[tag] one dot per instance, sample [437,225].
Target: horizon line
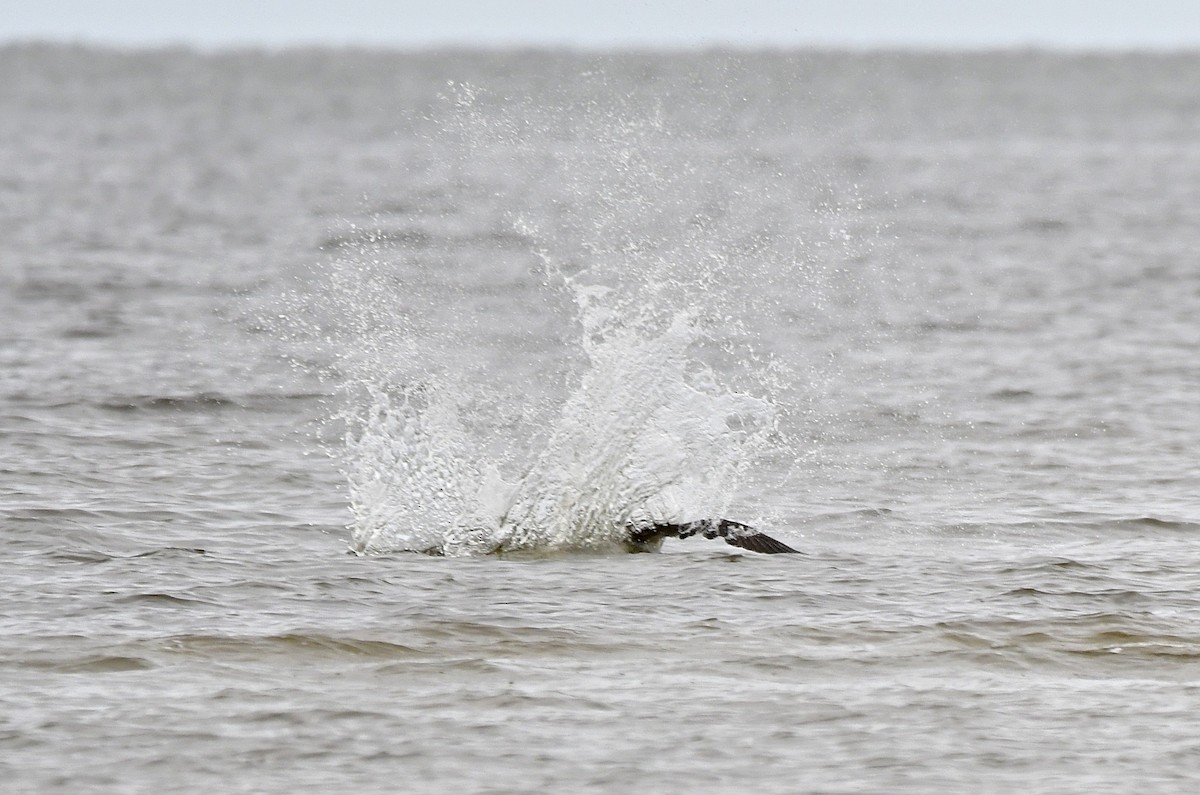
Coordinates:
[616,46]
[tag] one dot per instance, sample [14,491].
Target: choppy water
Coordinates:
[931,319]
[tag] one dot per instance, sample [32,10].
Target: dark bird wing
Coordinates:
[734,533]
[759,542]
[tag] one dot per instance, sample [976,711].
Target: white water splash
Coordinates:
[672,398]
[638,440]
[647,435]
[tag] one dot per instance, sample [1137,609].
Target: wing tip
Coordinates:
[761,542]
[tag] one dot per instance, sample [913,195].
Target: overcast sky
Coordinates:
[606,23]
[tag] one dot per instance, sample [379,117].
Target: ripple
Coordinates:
[97,664]
[315,645]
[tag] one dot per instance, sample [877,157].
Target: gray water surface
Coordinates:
[979,272]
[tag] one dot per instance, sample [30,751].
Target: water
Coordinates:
[930,319]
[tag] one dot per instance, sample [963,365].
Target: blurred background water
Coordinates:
[952,298]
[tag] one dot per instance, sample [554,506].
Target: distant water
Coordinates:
[271,320]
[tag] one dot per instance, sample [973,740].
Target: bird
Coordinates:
[649,537]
